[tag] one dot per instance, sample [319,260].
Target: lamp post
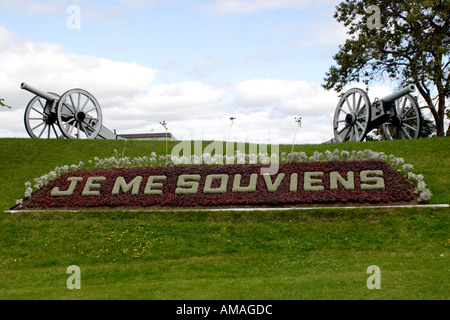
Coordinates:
[299,124]
[228,137]
[164,124]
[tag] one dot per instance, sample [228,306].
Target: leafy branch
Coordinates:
[3,104]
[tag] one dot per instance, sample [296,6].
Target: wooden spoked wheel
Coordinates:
[40,120]
[79,115]
[352,116]
[407,123]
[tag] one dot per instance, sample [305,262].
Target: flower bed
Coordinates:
[296,183]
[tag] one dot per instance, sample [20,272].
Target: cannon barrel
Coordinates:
[398,94]
[37,92]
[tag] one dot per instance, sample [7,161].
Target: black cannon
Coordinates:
[74,115]
[398,114]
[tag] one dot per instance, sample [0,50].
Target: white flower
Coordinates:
[206,158]
[317,156]
[52,175]
[184,160]
[28,192]
[252,159]
[196,159]
[217,159]
[138,161]
[291,157]
[230,159]
[176,160]
[332,156]
[274,158]
[407,167]
[425,195]
[302,157]
[345,155]
[382,156]
[374,155]
[168,160]
[240,157]
[421,187]
[263,158]
[399,161]
[359,155]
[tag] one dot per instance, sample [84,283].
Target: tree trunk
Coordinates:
[440,127]
[441,114]
[438,114]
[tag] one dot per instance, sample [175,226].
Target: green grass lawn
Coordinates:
[289,254]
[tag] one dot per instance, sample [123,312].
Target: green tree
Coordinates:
[411,44]
[3,104]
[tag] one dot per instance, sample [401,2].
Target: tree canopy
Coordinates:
[405,41]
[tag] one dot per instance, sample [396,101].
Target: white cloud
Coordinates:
[329,34]
[278,102]
[169,102]
[299,98]
[51,68]
[312,34]
[132,103]
[129,100]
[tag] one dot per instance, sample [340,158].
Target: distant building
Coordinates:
[149,136]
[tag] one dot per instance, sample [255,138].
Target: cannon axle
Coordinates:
[350,119]
[80,116]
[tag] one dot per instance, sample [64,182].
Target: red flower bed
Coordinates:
[396,188]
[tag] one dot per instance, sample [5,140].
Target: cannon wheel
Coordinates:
[407,124]
[39,122]
[352,116]
[79,114]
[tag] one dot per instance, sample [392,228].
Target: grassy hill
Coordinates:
[289,254]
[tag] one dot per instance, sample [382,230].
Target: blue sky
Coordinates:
[188,40]
[191,63]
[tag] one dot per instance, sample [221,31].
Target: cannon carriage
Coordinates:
[74,115]
[398,114]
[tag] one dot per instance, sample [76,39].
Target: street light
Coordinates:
[164,124]
[228,137]
[299,124]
